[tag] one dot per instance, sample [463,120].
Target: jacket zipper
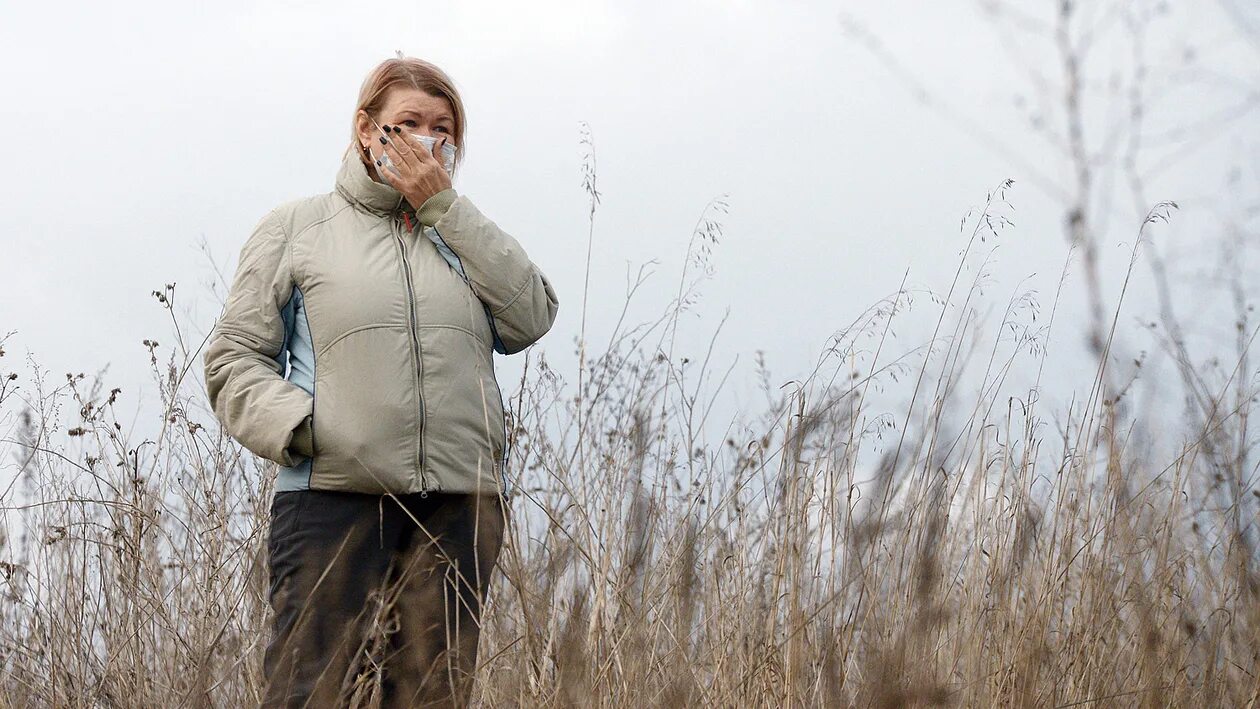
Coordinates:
[415,350]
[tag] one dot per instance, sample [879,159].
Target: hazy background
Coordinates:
[850,137]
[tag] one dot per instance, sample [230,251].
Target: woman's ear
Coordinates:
[363,126]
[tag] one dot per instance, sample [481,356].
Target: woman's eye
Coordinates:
[409,123]
[443,129]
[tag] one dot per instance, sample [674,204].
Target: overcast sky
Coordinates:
[136,132]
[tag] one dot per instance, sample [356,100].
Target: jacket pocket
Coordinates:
[366,413]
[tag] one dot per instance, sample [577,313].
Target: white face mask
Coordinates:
[448,154]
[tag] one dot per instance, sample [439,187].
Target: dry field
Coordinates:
[966,546]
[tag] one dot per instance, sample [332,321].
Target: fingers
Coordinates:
[397,137]
[387,163]
[433,155]
[394,146]
[437,151]
[383,136]
[420,154]
[389,173]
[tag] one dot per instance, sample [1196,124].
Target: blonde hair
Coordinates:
[408,72]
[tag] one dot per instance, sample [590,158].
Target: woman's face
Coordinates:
[411,109]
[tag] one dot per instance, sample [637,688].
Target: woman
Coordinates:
[386,296]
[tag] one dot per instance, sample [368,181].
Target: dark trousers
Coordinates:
[378,594]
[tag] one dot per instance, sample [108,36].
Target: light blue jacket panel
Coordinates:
[301,355]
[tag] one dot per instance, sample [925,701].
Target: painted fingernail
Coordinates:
[397,129]
[383,141]
[378,162]
[385,128]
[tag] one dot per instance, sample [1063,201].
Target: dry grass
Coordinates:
[964,547]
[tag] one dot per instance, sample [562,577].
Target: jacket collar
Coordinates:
[354,183]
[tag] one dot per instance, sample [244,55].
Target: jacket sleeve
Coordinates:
[244,364]
[519,298]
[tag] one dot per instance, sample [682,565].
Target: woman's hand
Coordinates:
[421,174]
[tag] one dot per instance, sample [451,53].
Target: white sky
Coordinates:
[137,130]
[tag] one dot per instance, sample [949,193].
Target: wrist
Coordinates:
[302,440]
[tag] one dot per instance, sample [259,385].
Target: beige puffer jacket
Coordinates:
[387,317]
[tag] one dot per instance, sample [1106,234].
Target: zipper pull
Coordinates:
[407,218]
